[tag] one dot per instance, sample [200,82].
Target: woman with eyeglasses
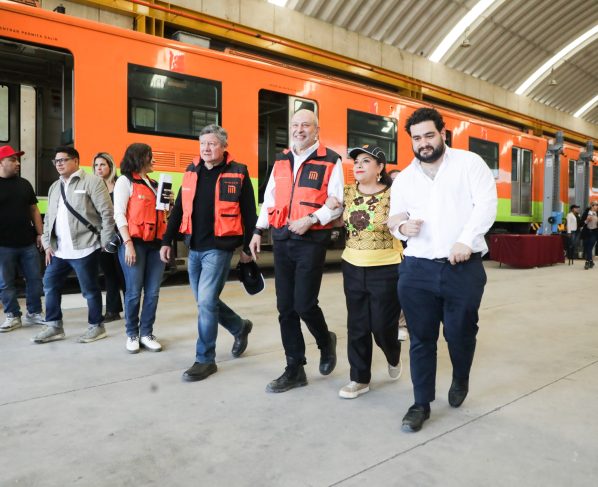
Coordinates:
[141,226]
[103,166]
[370,270]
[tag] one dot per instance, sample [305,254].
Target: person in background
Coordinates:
[370,270]
[103,166]
[141,227]
[71,244]
[450,198]
[215,211]
[393,174]
[303,177]
[20,243]
[572,229]
[590,234]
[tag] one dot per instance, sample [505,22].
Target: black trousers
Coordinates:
[372,309]
[115,281]
[298,267]
[431,292]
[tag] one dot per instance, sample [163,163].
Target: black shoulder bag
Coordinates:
[77,215]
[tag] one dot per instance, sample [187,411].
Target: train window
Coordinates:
[448,138]
[572,164]
[366,128]
[4,117]
[595,178]
[487,150]
[171,104]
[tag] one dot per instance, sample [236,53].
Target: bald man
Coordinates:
[303,177]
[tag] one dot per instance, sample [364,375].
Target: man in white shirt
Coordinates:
[450,197]
[73,245]
[572,231]
[301,181]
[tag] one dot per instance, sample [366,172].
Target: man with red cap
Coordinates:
[20,239]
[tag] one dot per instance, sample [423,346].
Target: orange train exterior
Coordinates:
[100,112]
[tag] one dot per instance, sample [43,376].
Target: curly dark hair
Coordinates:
[136,157]
[423,115]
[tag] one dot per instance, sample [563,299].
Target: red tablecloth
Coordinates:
[526,250]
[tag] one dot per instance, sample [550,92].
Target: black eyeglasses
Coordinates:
[61,161]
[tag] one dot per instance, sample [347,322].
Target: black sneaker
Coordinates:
[293,376]
[328,356]
[414,419]
[240,344]
[199,371]
[111,316]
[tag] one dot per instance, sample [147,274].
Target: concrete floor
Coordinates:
[92,415]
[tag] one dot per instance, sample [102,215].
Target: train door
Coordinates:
[521,181]
[275,112]
[36,106]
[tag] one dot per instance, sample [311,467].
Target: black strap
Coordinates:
[82,219]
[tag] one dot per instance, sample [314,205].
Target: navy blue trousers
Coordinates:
[431,292]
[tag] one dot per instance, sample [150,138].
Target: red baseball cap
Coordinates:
[8,151]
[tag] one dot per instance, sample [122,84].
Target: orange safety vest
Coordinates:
[228,220]
[294,199]
[144,221]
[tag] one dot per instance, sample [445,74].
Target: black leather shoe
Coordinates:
[111,316]
[328,356]
[240,344]
[293,376]
[414,419]
[458,392]
[199,372]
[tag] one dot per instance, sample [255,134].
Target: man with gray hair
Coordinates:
[215,211]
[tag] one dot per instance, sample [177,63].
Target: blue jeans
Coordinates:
[26,259]
[208,271]
[588,245]
[145,275]
[86,270]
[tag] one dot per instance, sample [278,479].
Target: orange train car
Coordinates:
[65,80]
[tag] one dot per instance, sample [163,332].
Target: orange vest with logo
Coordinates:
[294,199]
[228,220]
[144,221]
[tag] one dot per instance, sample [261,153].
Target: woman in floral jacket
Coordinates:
[370,270]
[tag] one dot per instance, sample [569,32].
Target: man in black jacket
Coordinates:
[215,211]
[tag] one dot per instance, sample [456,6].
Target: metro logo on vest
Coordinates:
[312,176]
[230,188]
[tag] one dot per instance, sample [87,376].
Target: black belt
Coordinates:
[445,260]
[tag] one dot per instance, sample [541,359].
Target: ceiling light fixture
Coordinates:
[586,107]
[279,3]
[457,31]
[553,81]
[565,53]
[466,42]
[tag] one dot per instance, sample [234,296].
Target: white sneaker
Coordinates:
[395,371]
[132,344]
[150,343]
[353,389]
[35,319]
[403,334]
[11,323]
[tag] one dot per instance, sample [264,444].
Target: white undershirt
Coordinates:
[65,249]
[458,205]
[335,188]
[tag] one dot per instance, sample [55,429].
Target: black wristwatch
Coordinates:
[258,231]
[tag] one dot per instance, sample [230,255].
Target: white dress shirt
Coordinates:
[65,248]
[571,223]
[458,205]
[335,188]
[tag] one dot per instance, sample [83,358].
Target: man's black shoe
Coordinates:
[240,344]
[111,316]
[293,376]
[414,419]
[328,356]
[458,392]
[199,372]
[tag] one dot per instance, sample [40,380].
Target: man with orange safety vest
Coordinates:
[302,179]
[215,211]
